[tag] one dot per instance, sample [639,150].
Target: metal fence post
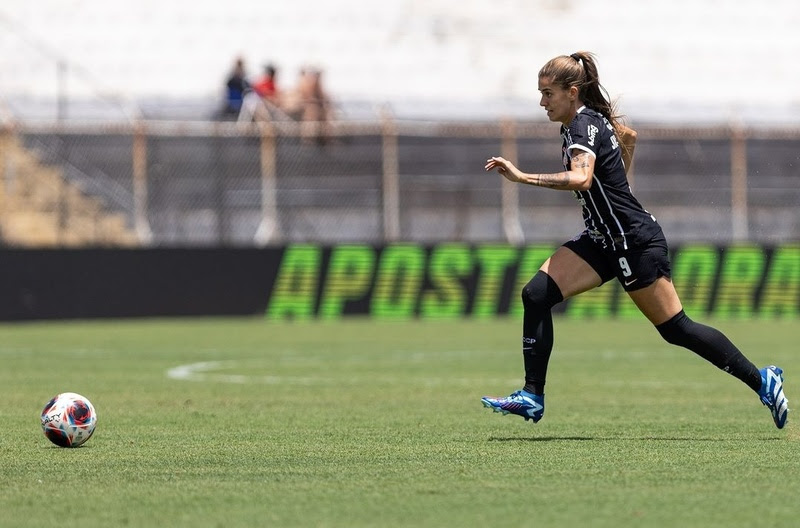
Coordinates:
[268,229]
[739,220]
[6,166]
[510,190]
[139,153]
[391,179]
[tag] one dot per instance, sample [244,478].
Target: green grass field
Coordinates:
[244,422]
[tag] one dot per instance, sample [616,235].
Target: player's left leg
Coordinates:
[659,302]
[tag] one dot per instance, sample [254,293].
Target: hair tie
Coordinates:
[576,57]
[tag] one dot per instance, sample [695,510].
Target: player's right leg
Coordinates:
[573,269]
[563,275]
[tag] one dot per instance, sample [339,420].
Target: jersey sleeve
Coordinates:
[585,134]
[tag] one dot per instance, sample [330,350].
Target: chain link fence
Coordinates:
[255,184]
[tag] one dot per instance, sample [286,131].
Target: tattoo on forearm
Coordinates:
[562,179]
[551,180]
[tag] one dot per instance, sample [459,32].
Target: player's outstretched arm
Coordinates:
[577,178]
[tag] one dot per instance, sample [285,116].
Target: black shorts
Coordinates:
[634,268]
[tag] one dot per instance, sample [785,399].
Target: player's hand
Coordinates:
[504,168]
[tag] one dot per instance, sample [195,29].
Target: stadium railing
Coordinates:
[254,184]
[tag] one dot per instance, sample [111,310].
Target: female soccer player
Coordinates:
[621,240]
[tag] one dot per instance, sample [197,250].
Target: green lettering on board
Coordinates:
[349,278]
[626,308]
[694,269]
[742,269]
[593,303]
[747,281]
[295,287]
[493,262]
[398,282]
[448,299]
[781,294]
[532,259]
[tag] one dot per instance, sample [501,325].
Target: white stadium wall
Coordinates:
[683,59]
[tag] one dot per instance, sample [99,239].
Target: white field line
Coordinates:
[210,372]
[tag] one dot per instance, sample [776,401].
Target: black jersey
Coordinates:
[614,218]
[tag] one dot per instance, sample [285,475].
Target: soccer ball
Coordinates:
[69,419]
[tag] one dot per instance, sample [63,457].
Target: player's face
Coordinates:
[558,102]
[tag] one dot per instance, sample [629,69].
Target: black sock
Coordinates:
[712,345]
[538,296]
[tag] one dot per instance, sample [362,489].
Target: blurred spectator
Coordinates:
[293,101]
[309,102]
[317,104]
[266,87]
[236,87]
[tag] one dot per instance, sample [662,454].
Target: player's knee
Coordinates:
[541,292]
[676,331]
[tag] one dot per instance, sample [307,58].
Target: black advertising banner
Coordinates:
[398,281]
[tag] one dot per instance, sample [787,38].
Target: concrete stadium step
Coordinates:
[41,208]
